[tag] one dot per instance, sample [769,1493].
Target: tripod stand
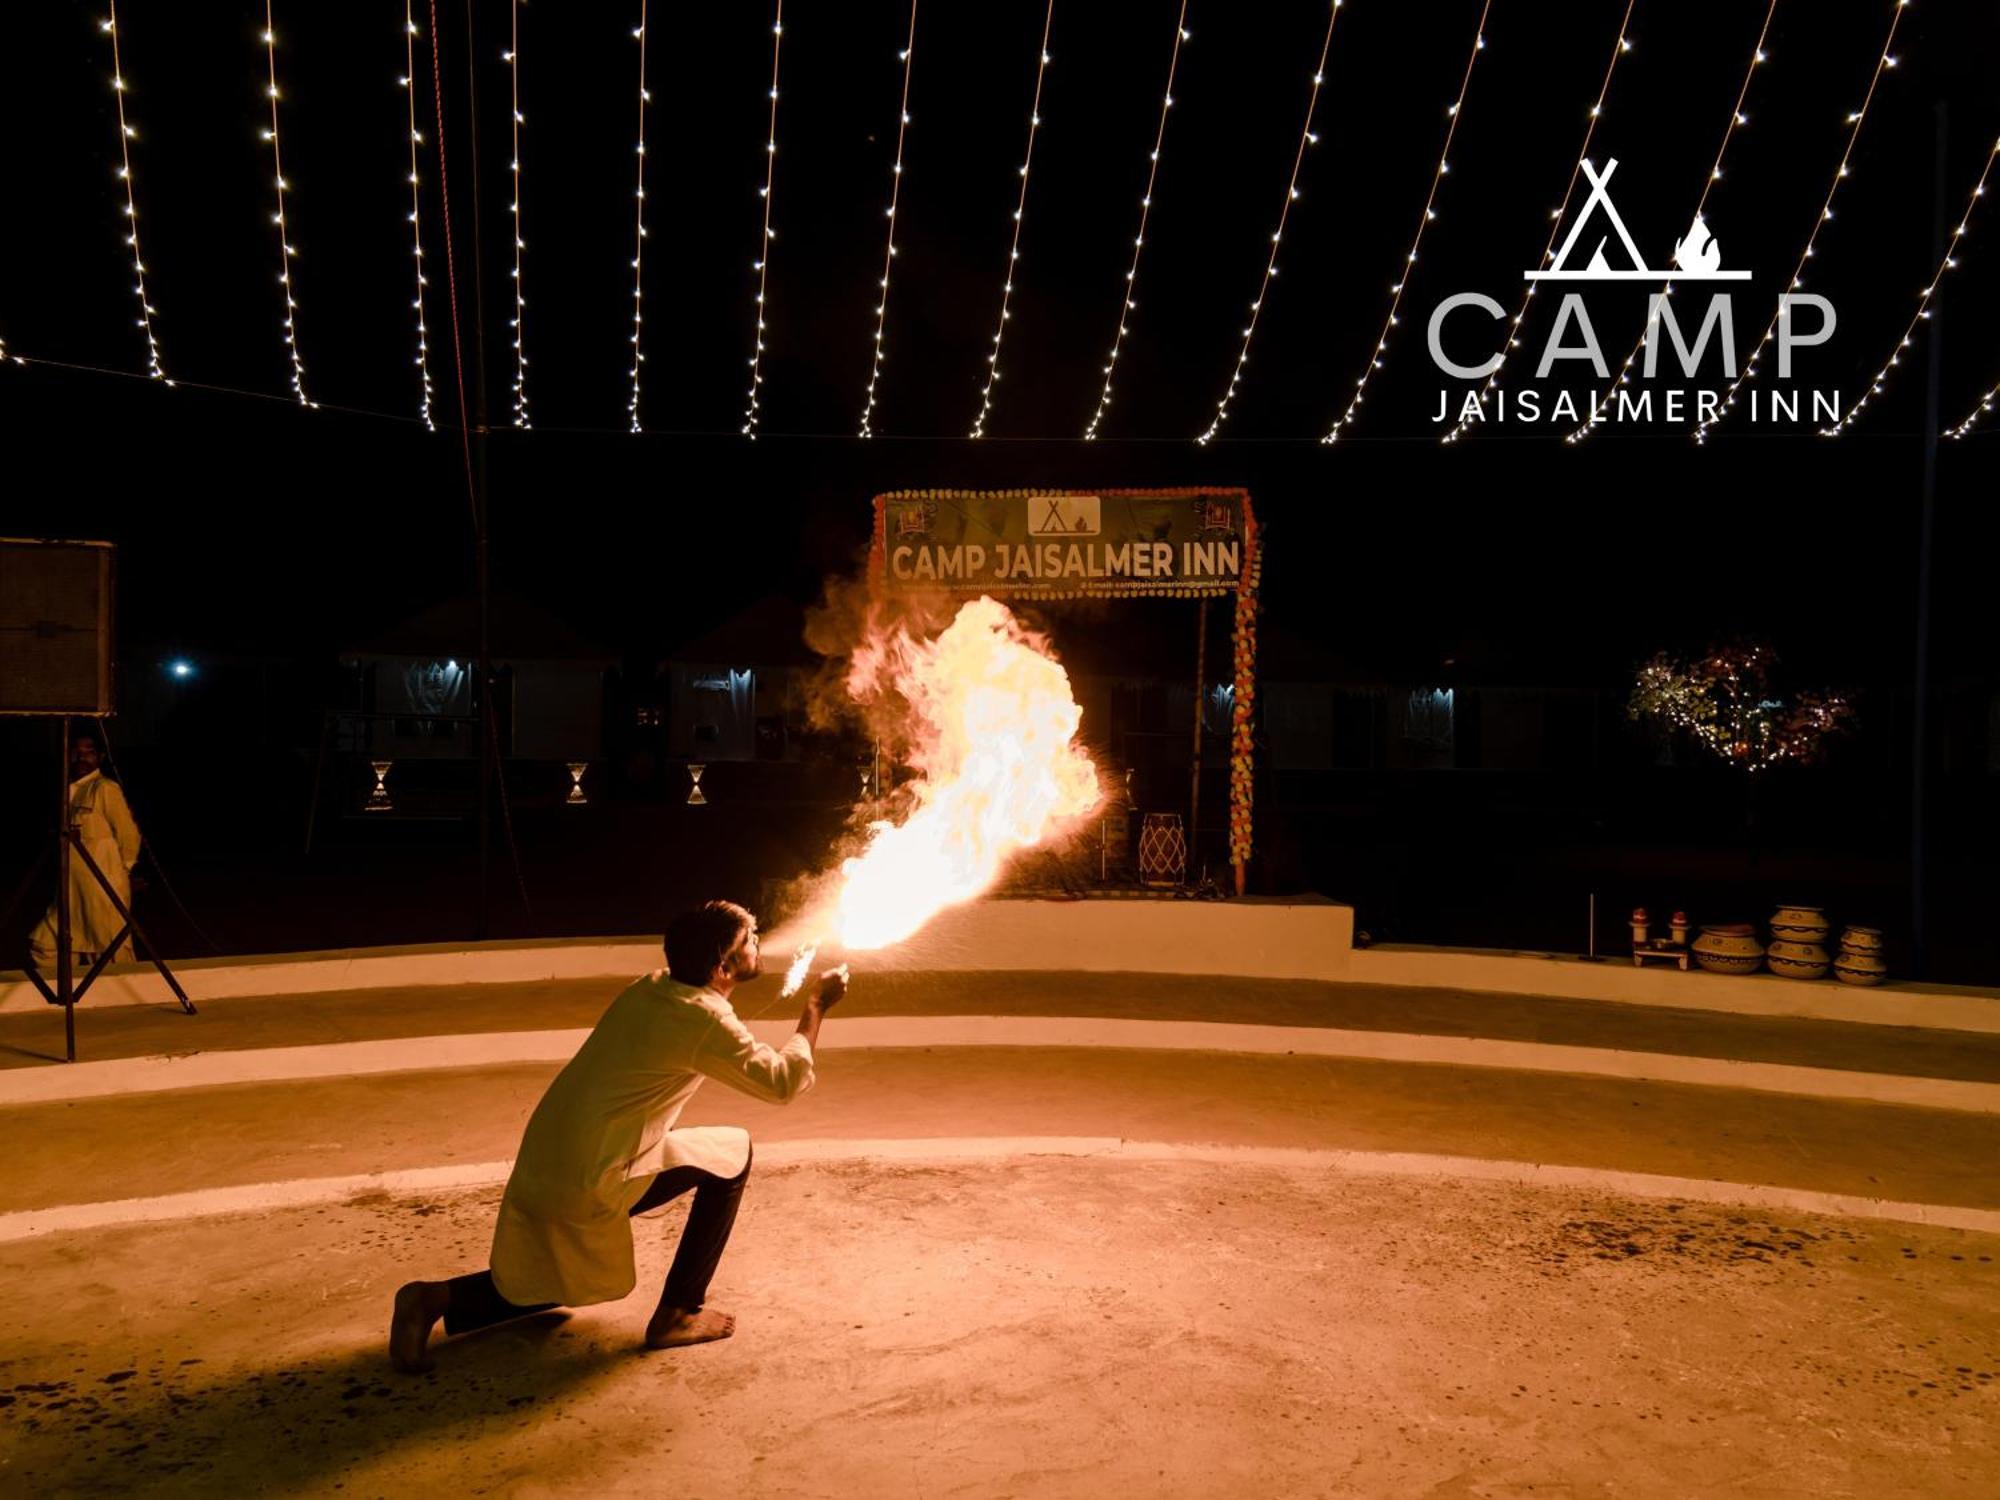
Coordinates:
[69,845]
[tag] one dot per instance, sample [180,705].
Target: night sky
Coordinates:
[248,523]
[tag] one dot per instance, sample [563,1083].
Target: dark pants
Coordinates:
[476,1303]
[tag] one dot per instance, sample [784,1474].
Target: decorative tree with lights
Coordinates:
[1724,702]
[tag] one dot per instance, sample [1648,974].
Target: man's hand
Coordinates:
[826,994]
[831,988]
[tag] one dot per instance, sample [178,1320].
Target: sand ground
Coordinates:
[1036,1327]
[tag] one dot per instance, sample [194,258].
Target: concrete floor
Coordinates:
[143,1145]
[1037,1327]
[1034,1325]
[34,1038]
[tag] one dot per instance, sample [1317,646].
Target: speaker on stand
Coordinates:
[56,619]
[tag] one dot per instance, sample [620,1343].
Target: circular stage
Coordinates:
[1038,1326]
[1035,1233]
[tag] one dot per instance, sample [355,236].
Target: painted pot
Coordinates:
[1728,948]
[1860,968]
[1800,924]
[1796,960]
[1861,940]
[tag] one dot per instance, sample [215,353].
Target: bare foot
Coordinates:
[673,1326]
[416,1314]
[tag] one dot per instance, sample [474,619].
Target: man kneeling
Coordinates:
[601,1149]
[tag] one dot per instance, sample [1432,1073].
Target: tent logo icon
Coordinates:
[1065,515]
[1697,256]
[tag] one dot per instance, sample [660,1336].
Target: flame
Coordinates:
[1698,250]
[795,976]
[993,727]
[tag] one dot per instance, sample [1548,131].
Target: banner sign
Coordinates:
[1188,543]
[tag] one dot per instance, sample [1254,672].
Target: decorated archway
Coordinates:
[1194,543]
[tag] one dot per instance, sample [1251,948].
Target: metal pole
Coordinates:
[1200,691]
[65,980]
[1920,718]
[488,732]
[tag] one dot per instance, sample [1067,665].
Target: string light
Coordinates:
[639,240]
[764,244]
[1127,306]
[1855,120]
[520,320]
[1556,215]
[1380,353]
[889,252]
[1923,312]
[1962,429]
[147,311]
[1306,138]
[1758,57]
[1724,700]
[416,206]
[285,247]
[1020,212]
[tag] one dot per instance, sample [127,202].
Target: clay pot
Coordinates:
[1800,924]
[1860,968]
[1728,948]
[1861,940]
[1796,960]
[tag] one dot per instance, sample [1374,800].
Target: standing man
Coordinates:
[100,815]
[600,1149]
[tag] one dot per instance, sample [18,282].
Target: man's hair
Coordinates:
[699,939]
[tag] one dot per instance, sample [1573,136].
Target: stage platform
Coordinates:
[1251,939]
[1086,1195]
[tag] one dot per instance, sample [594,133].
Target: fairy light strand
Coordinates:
[1945,267]
[1380,352]
[1884,61]
[1758,57]
[1127,306]
[147,312]
[512,58]
[1619,48]
[763,264]
[1963,428]
[1014,249]
[1306,139]
[908,57]
[285,247]
[408,81]
[639,239]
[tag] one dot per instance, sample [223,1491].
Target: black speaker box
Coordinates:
[55,627]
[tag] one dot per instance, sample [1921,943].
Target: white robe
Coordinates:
[98,811]
[605,1127]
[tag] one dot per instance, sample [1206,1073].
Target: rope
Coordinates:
[451,277]
[507,819]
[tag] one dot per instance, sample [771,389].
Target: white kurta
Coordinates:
[605,1127]
[98,811]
